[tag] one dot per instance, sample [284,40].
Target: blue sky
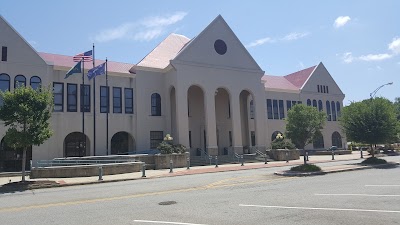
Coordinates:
[358,41]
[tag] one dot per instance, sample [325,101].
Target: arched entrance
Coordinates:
[122,143]
[337,140]
[223,120]
[196,117]
[76,144]
[318,143]
[247,124]
[11,159]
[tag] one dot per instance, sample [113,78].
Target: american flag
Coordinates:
[86,56]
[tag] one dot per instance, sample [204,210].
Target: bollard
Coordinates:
[333,155]
[170,166]
[210,158]
[100,173]
[361,152]
[216,161]
[265,158]
[306,155]
[144,170]
[287,157]
[241,157]
[187,163]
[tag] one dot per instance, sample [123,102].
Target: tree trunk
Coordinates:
[372,151]
[304,156]
[23,164]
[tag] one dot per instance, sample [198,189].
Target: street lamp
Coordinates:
[372,94]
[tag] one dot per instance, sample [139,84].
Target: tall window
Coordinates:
[230,138]
[320,106]
[4,82]
[36,82]
[3,53]
[156,137]
[314,103]
[253,138]
[275,108]
[338,109]
[288,105]
[308,102]
[128,100]
[269,109]
[251,109]
[327,90]
[104,99]
[155,104]
[281,110]
[19,80]
[58,93]
[318,88]
[190,139]
[333,110]
[117,100]
[85,98]
[328,110]
[324,89]
[72,97]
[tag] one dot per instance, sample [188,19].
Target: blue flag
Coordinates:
[96,71]
[76,69]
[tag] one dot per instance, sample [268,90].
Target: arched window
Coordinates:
[4,82]
[155,104]
[318,142]
[314,103]
[19,80]
[333,111]
[273,137]
[308,102]
[337,140]
[76,144]
[328,110]
[320,106]
[36,82]
[338,109]
[122,143]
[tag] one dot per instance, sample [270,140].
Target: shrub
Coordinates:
[306,168]
[282,144]
[374,160]
[166,148]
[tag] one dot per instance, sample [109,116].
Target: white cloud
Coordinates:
[347,57]
[301,65]
[260,42]
[375,57]
[144,30]
[341,21]
[394,46]
[294,36]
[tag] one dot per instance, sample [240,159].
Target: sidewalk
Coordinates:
[50,182]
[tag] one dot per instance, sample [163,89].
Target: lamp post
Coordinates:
[372,94]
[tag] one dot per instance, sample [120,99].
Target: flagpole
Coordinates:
[108,105]
[94,108]
[83,102]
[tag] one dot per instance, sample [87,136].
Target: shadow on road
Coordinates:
[27,185]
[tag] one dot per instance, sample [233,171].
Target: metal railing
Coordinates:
[50,163]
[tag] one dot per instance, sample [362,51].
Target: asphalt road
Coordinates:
[240,197]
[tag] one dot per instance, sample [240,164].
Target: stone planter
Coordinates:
[280,154]
[162,161]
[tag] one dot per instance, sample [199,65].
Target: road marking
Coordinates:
[326,209]
[382,185]
[366,195]
[94,200]
[165,222]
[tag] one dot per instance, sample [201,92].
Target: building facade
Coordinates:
[207,92]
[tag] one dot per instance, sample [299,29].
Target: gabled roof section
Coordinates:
[278,82]
[299,78]
[167,50]
[67,61]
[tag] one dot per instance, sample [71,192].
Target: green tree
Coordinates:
[371,121]
[26,113]
[397,106]
[303,124]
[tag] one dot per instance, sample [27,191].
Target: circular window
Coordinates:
[220,46]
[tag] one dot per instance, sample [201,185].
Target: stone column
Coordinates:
[211,127]
[236,123]
[182,124]
[260,119]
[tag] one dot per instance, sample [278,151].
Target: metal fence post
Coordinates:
[216,161]
[170,166]
[306,155]
[144,170]
[187,163]
[210,157]
[241,157]
[287,156]
[100,173]
[333,155]
[361,152]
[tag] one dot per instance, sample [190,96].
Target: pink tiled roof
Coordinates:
[278,82]
[167,50]
[66,61]
[300,77]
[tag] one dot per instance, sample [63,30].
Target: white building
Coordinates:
[207,92]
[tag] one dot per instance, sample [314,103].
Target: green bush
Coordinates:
[374,160]
[166,148]
[282,144]
[306,168]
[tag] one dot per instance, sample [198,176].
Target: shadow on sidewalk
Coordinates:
[27,185]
